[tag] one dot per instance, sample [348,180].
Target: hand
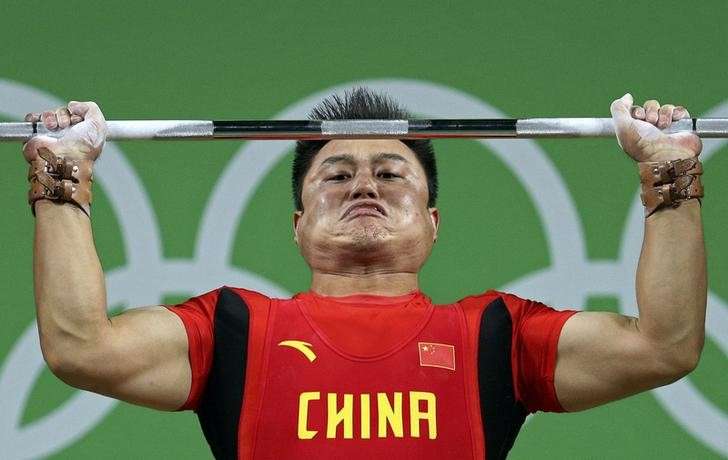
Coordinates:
[639,131]
[83,131]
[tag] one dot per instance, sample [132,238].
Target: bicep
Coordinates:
[144,359]
[603,357]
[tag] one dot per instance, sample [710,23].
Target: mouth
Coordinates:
[368,208]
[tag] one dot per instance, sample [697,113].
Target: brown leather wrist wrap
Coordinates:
[668,183]
[60,179]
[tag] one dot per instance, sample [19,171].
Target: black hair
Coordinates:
[360,103]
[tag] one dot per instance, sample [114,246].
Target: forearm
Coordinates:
[672,282]
[70,294]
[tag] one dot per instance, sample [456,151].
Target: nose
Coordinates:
[364,187]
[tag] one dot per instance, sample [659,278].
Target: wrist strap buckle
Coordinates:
[60,179]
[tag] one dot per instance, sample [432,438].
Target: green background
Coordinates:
[252,59]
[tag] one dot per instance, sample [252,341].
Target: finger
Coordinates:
[665,116]
[638,112]
[64,117]
[49,120]
[33,117]
[76,119]
[680,112]
[651,108]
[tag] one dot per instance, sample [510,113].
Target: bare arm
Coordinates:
[139,356]
[604,356]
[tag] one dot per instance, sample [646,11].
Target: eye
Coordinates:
[387,175]
[338,177]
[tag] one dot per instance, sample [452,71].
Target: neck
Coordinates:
[342,284]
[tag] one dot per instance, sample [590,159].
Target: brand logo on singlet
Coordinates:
[303,347]
[336,415]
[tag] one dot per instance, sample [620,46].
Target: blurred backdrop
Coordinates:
[556,220]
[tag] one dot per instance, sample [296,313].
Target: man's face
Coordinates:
[365,201]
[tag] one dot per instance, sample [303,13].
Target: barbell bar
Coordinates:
[503,128]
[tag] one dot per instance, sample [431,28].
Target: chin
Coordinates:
[369,235]
[366,236]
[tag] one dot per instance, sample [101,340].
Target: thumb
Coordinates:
[620,109]
[78,108]
[30,148]
[622,119]
[88,111]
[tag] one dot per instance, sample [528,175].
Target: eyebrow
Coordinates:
[332,160]
[349,159]
[389,156]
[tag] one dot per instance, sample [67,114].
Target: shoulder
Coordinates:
[246,294]
[491,297]
[515,307]
[223,296]
[238,297]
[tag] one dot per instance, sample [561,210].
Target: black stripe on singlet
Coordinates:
[501,414]
[221,404]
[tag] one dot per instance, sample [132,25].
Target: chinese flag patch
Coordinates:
[437,355]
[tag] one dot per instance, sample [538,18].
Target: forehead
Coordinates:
[364,150]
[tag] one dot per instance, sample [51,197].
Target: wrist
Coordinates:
[667,154]
[60,179]
[72,153]
[669,183]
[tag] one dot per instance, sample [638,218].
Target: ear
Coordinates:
[296,219]
[435,219]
